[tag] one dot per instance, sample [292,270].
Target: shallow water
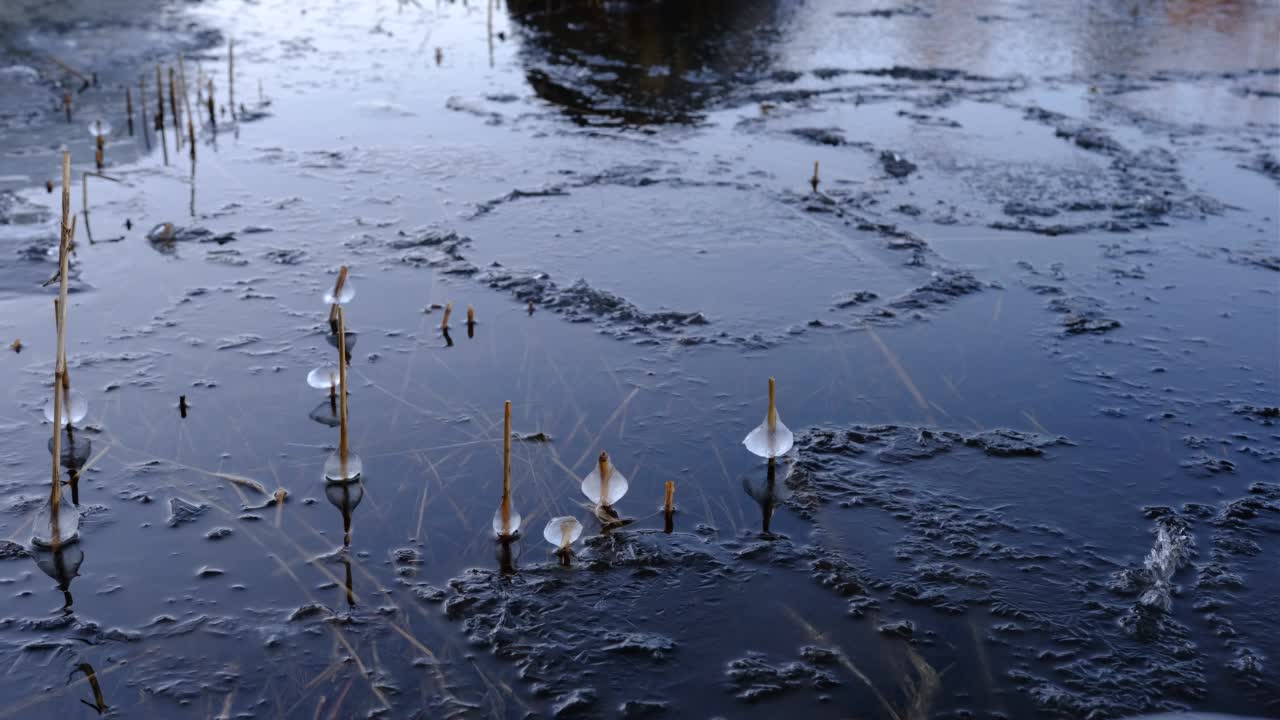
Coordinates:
[1025,329]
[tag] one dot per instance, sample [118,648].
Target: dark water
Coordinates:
[1026,329]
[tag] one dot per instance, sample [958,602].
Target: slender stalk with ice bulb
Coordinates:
[772,439]
[341,294]
[63,521]
[506,522]
[344,465]
[605,485]
[562,532]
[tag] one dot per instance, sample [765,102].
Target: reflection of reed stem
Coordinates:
[342,397]
[506,469]
[173,108]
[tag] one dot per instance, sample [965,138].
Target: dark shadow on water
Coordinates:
[641,63]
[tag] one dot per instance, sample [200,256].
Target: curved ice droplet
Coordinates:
[74,406]
[99,128]
[343,297]
[335,471]
[514,523]
[562,531]
[324,377]
[618,486]
[68,530]
[768,444]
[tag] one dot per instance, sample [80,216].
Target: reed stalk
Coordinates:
[66,105]
[60,381]
[813,181]
[342,396]
[342,271]
[444,322]
[669,504]
[773,408]
[128,108]
[506,469]
[604,478]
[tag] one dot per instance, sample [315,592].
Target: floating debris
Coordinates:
[772,438]
[605,485]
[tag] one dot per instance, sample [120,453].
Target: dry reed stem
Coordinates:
[604,478]
[444,322]
[60,360]
[773,407]
[669,505]
[342,271]
[342,398]
[66,105]
[506,468]
[128,108]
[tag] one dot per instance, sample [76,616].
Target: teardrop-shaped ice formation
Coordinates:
[74,406]
[617,486]
[337,471]
[770,443]
[99,128]
[344,295]
[513,523]
[325,377]
[68,526]
[562,531]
